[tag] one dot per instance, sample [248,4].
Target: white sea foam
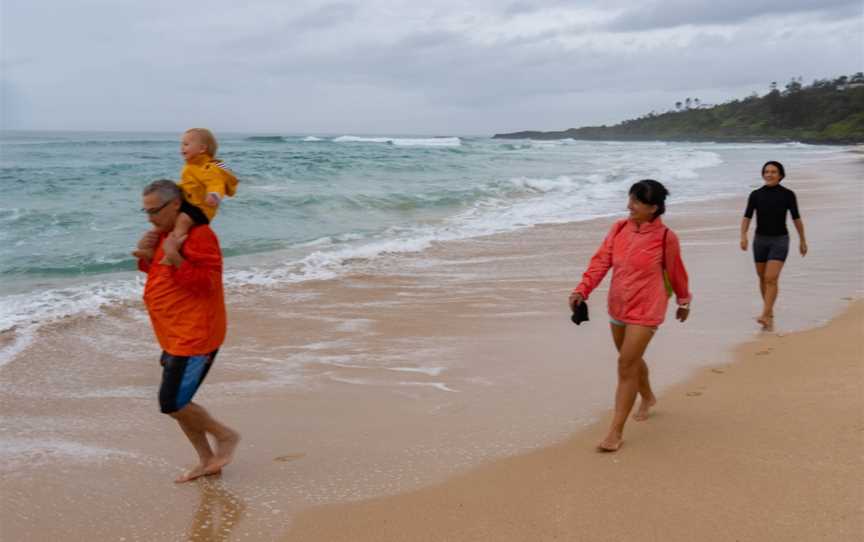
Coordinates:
[23,452]
[596,186]
[373,382]
[312,138]
[23,310]
[431,371]
[537,200]
[23,337]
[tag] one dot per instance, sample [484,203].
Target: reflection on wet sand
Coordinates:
[218,513]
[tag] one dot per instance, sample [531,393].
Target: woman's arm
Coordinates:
[745,226]
[748,215]
[597,267]
[802,245]
[796,219]
[676,271]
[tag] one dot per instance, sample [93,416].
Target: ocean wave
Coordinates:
[53,304]
[267,139]
[491,187]
[312,139]
[403,142]
[90,142]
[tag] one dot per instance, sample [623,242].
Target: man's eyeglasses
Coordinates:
[155,211]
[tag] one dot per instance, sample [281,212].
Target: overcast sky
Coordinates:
[437,67]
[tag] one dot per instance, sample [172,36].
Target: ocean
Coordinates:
[308,206]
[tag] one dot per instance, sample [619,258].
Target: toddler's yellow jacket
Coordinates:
[203,175]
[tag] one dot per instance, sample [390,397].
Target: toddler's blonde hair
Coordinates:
[206,137]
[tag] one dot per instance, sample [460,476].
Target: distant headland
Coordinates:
[828,111]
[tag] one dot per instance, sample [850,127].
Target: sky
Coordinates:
[402,67]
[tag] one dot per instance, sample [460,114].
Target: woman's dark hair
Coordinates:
[776,164]
[650,192]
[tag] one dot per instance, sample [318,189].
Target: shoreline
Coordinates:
[408,370]
[736,452]
[546,136]
[278,268]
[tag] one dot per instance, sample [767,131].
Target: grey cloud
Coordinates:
[671,13]
[325,16]
[329,69]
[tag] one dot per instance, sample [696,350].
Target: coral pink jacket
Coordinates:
[637,294]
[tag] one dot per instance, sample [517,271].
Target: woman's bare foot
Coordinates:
[644,407]
[224,451]
[611,443]
[767,322]
[197,472]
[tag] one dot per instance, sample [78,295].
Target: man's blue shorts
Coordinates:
[181,376]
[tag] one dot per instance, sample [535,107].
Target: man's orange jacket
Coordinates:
[186,303]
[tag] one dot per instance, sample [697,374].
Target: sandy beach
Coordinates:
[445,395]
[767,447]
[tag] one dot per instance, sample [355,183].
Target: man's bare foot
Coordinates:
[644,407]
[143,253]
[195,473]
[224,451]
[767,322]
[611,443]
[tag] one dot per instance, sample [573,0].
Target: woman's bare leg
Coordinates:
[770,279]
[760,272]
[636,339]
[645,391]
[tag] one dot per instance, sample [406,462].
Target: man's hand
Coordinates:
[146,245]
[148,240]
[574,300]
[744,243]
[212,199]
[682,314]
[171,247]
[802,247]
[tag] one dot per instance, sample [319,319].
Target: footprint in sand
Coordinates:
[694,393]
[763,352]
[718,371]
[289,457]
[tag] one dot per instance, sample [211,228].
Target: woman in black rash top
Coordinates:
[771,242]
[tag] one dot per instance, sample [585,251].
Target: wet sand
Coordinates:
[407,371]
[765,448]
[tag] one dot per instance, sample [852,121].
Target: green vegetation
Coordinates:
[827,111]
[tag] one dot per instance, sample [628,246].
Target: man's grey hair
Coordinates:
[166,189]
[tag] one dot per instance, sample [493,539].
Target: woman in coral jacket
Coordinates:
[640,250]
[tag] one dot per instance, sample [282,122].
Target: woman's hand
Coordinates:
[802,247]
[682,314]
[744,243]
[574,300]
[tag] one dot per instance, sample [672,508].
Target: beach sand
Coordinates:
[768,447]
[413,369]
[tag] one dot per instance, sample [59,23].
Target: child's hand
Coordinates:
[171,248]
[212,199]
